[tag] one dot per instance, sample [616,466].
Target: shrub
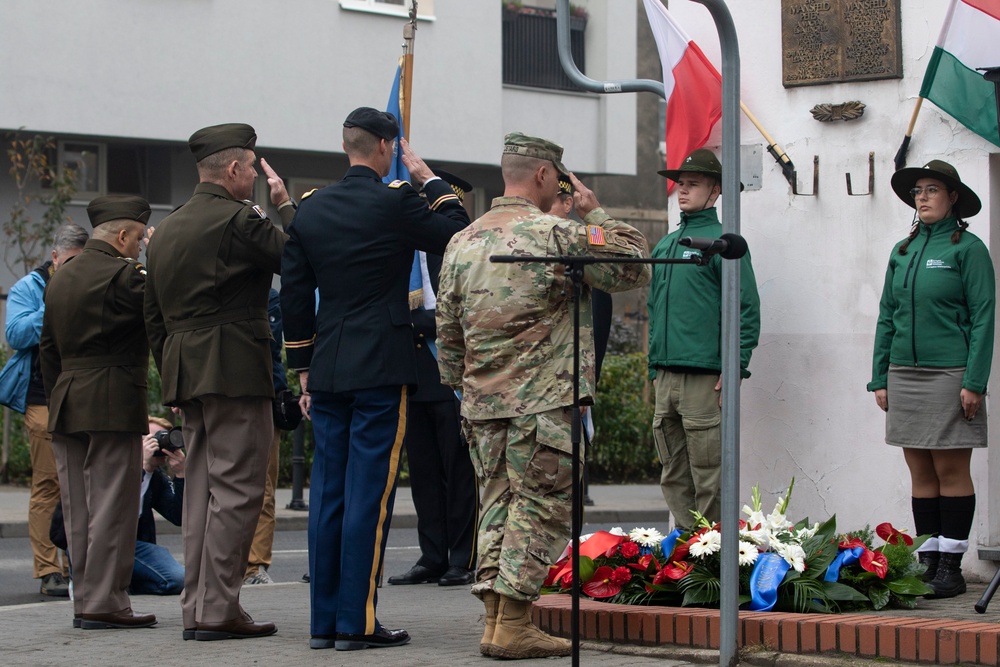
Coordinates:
[623,449]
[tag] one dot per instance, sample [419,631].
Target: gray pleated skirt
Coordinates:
[925,410]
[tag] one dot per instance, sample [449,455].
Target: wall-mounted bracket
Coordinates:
[871,179]
[795,180]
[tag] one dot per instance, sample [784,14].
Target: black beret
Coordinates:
[217,138]
[380,123]
[459,185]
[118,207]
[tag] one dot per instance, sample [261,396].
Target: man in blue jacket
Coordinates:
[21,390]
[685,333]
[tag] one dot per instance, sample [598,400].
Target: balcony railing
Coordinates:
[530,53]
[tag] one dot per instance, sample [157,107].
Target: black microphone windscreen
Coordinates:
[736,246]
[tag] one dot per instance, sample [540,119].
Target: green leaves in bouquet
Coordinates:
[700,587]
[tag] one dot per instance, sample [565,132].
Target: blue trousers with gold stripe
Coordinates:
[359,436]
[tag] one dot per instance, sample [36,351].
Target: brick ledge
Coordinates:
[943,642]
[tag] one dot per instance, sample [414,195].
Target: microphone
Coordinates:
[729,246]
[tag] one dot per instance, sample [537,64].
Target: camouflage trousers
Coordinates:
[525,473]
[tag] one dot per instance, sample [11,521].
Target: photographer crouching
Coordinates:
[155,571]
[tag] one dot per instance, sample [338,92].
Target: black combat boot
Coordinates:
[930,560]
[948,582]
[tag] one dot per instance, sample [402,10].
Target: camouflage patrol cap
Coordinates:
[118,207]
[518,143]
[215,138]
[701,161]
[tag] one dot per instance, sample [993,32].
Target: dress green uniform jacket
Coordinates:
[937,307]
[685,303]
[94,352]
[210,268]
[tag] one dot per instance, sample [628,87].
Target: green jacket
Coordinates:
[685,303]
[937,307]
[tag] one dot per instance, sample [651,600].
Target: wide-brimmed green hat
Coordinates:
[702,161]
[903,180]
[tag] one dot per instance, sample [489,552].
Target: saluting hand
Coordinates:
[279,195]
[419,171]
[584,198]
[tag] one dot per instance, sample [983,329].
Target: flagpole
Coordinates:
[900,159]
[409,38]
[772,146]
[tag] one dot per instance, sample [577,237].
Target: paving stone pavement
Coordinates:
[445,624]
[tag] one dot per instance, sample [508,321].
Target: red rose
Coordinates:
[621,576]
[629,549]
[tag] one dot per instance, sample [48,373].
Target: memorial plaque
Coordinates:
[830,41]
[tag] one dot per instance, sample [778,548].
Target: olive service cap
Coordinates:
[209,140]
[118,207]
[968,203]
[459,185]
[380,123]
[518,143]
[701,161]
[565,185]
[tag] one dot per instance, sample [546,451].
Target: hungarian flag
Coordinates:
[692,86]
[970,38]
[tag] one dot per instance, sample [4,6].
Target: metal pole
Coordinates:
[584,82]
[298,467]
[729,598]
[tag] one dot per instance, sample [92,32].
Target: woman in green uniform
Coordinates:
[933,349]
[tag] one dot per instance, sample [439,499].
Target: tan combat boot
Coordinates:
[492,601]
[516,637]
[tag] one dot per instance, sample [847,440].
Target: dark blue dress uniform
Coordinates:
[354,240]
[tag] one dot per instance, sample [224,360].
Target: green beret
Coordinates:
[118,207]
[518,143]
[217,138]
[380,123]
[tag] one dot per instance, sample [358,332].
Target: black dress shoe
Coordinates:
[381,639]
[119,619]
[323,641]
[187,634]
[76,622]
[456,576]
[418,574]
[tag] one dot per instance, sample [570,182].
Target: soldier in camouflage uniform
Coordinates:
[505,341]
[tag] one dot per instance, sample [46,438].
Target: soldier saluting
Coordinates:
[94,356]
[210,269]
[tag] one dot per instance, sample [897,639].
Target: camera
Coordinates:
[169,441]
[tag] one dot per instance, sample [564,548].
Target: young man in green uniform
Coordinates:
[685,361]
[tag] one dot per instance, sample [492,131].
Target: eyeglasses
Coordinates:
[930,191]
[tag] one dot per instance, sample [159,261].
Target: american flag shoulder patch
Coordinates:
[595,235]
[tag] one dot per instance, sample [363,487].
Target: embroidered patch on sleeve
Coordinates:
[595,235]
[259,211]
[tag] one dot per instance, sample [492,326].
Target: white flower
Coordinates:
[748,553]
[793,554]
[776,521]
[805,533]
[709,543]
[754,518]
[762,538]
[617,530]
[646,537]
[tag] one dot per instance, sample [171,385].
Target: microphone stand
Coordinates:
[574,269]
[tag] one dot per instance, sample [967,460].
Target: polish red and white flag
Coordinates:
[692,85]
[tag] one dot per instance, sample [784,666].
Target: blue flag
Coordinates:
[398,171]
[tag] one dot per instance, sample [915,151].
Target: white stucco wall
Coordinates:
[162,69]
[820,264]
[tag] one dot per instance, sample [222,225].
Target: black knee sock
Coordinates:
[926,516]
[956,516]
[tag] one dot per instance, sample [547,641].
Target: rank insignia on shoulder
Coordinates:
[595,235]
[308,194]
[397,184]
[259,211]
